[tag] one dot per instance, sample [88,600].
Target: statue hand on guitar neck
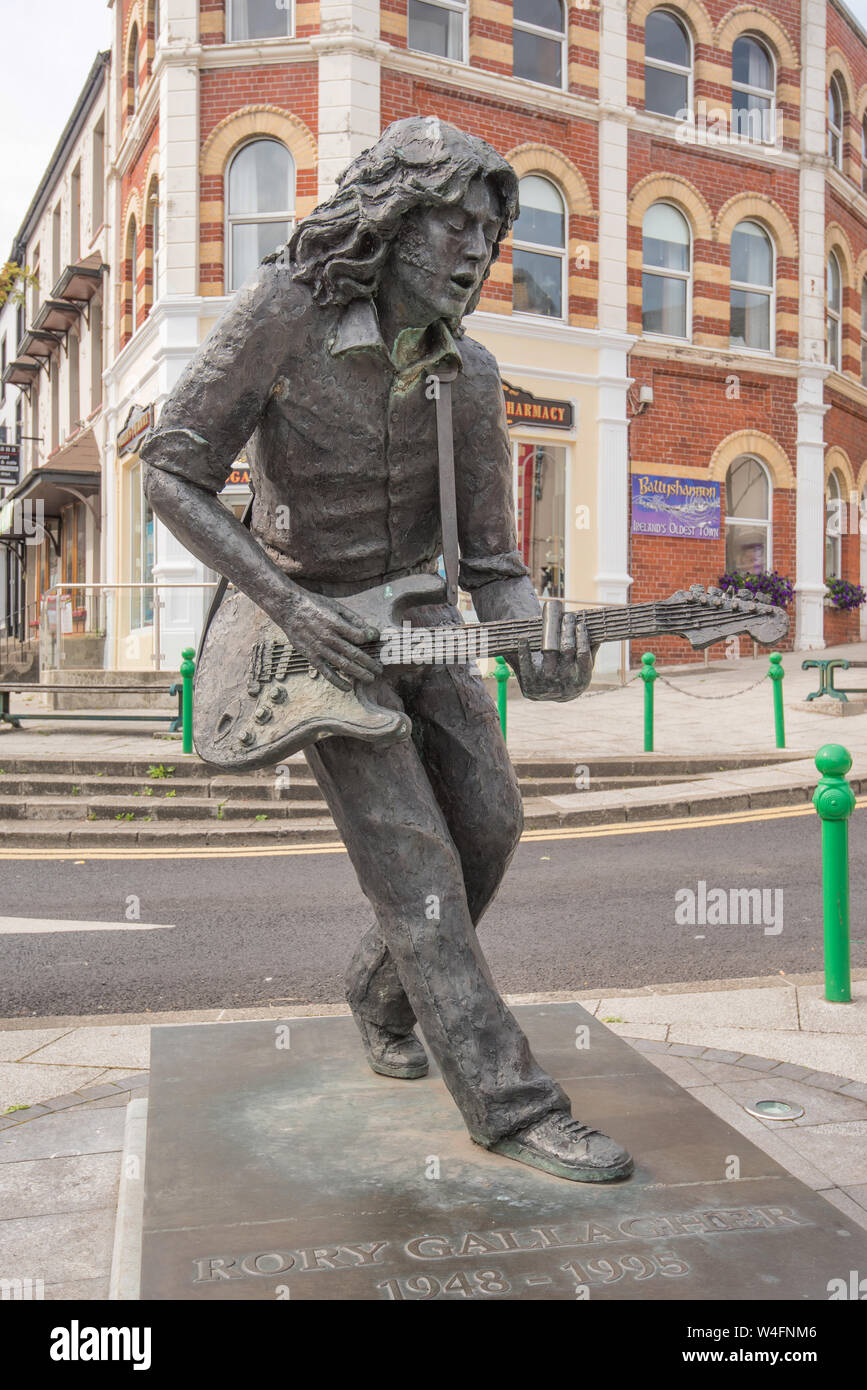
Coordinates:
[563,670]
[330,637]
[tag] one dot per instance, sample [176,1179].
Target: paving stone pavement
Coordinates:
[60,1156]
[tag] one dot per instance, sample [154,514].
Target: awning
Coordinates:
[57,315]
[78,282]
[74,473]
[21,373]
[39,343]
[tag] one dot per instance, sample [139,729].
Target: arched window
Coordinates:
[539,249]
[835,123]
[834,526]
[131,274]
[667,65]
[748,517]
[153,216]
[833,318]
[665,280]
[259,19]
[752,287]
[260,202]
[864,155]
[864,331]
[753,90]
[438,26]
[538,41]
[133,70]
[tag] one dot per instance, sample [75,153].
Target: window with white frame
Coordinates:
[864,331]
[834,312]
[752,287]
[833,526]
[438,28]
[260,205]
[133,69]
[835,123]
[141,552]
[748,516]
[132,257]
[156,243]
[259,19]
[666,272]
[539,41]
[667,65]
[753,90]
[539,249]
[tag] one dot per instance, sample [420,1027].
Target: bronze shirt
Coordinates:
[341,437]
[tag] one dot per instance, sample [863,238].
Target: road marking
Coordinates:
[579,832]
[30,926]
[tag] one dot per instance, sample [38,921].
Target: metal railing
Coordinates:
[18,634]
[90,625]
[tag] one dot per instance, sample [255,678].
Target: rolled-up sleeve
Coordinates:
[219,397]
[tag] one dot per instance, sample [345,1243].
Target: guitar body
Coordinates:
[249,712]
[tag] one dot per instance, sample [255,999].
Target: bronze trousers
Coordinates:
[430,826]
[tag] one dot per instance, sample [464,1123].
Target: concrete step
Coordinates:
[146,789]
[199,809]
[59,834]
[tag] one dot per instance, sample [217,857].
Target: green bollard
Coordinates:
[834,799]
[776,674]
[648,674]
[501,675]
[187,669]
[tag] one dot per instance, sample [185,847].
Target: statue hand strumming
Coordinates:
[330,637]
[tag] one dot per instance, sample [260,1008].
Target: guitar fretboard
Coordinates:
[458,644]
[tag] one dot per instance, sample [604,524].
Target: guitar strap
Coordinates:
[448,503]
[220,591]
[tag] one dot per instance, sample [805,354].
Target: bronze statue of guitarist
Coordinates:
[324,363]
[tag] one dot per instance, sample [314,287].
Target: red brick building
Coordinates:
[684,286]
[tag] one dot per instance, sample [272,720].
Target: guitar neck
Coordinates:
[603,625]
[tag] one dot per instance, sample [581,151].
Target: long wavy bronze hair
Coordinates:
[341,248]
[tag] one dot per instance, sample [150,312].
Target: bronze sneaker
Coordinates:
[560,1145]
[392,1054]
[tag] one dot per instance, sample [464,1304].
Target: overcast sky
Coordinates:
[49,47]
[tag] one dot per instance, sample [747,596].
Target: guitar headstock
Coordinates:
[716,615]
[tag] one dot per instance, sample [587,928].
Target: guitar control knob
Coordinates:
[247,738]
[263,714]
[278,694]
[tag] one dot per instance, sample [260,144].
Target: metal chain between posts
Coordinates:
[611,690]
[693,695]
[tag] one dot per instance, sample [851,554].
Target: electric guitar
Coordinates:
[257,701]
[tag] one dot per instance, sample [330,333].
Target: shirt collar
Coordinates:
[358,331]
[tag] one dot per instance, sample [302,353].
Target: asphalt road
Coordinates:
[572,914]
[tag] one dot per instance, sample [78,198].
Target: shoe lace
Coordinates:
[572,1128]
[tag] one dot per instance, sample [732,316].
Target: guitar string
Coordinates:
[604,624]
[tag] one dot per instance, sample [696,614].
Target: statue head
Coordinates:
[427,202]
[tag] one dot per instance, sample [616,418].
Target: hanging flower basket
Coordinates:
[765,585]
[843,595]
